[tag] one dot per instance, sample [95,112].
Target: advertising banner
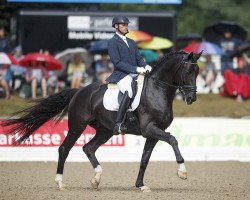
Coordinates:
[52,134]
[57,30]
[198,139]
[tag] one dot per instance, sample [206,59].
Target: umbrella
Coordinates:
[67,55]
[50,62]
[139,36]
[215,33]
[149,55]
[156,43]
[240,49]
[207,48]
[99,47]
[6,58]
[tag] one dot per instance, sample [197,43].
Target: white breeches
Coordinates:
[125,85]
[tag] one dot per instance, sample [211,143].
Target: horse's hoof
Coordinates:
[145,189]
[182,175]
[94,183]
[60,185]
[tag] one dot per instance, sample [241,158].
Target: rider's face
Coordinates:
[122,28]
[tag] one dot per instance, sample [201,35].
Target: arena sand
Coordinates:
[206,180]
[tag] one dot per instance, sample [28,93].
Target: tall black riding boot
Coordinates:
[126,100]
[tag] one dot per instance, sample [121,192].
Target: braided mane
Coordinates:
[165,58]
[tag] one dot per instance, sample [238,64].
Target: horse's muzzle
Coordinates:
[190,98]
[189,93]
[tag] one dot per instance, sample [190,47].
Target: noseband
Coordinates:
[184,89]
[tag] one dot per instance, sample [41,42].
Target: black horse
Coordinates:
[176,70]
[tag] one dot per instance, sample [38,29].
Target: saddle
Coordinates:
[112,96]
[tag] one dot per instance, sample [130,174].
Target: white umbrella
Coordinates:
[7,59]
[67,55]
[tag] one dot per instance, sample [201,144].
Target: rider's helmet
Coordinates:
[120,20]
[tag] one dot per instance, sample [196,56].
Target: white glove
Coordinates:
[148,68]
[141,70]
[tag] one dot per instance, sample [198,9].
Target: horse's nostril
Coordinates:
[189,98]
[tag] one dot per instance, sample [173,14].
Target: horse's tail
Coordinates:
[55,106]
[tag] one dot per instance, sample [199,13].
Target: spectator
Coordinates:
[18,71]
[46,52]
[5,77]
[103,68]
[208,72]
[4,42]
[228,45]
[75,71]
[237,82]
[241,66]
[52,82]
[37,75]
[247,64]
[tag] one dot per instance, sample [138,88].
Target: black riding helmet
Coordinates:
[120,20]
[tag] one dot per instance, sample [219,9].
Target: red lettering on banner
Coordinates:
[52,134]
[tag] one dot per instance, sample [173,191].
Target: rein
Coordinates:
[182,88]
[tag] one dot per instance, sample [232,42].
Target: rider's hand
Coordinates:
[148,68]
[141,70]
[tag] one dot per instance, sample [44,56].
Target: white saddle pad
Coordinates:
[110,99]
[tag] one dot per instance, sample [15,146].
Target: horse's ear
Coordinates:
[190,56]
[197,56]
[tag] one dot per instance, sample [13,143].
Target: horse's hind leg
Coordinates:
[102,135]
[69,141]
[147,151]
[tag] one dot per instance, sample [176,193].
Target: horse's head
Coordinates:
[185,76]
[178,70]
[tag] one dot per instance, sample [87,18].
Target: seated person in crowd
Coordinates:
[246,63]
[103,68]
[241,66]
[37,75]
[18,71]
[52,82]
[237,82]
[75,71]
[209,71]
[5,77]
[228,44]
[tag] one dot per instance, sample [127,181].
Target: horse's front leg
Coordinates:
[147,151]
[156,133]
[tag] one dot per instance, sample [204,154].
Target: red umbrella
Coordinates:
[8,59]
[50,62]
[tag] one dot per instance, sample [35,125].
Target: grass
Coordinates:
[212,105]
[207,105]
[15,103]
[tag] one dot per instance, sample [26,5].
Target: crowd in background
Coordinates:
[36,80]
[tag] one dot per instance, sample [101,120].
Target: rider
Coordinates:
[127,63]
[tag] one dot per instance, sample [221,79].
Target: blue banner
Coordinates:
[102,1]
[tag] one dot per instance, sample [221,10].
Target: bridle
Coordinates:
[184,89]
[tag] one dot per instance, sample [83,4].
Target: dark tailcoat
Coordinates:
[125,59]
